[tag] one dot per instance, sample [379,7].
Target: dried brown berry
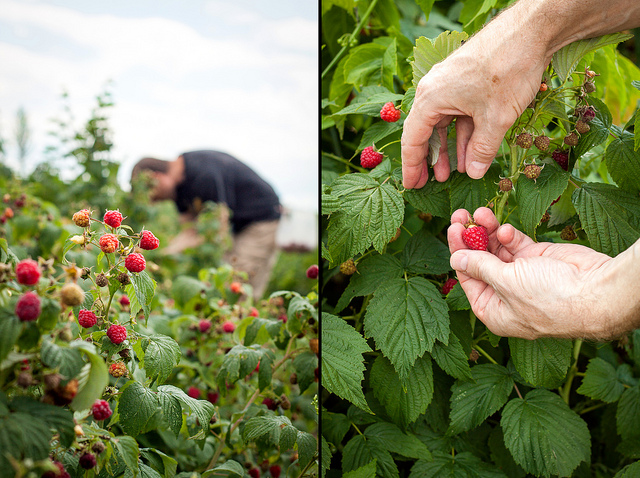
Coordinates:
[571,139]
[101,280]
[425,216]
[589,86]
[542,142]
[123,278]
[582,127]
[505,185]
[524,140]
[568,234]
[314,345]
[532,171]
[545,217]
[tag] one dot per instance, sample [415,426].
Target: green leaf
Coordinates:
[359,452]
[55,418]
[162,463]
[636,133]
[365,471]
[93,378]
[432,198]
[10,329]
[307,447]
[452,358]
[601,382]
[370,101]
[405,317]
[544,435]
[228,468]
[389,436]
[171,411]
[144,287]
[239,362]
[161,355]
[66,359]
[541,362]
[457,299]
[534,197]
[202,409]
[502,457]
[404,401]
[185,288]
[445,465]
[470,194]
[325,463]
[373,270]
[23,437]
[48,318]
[128,449]
[137,405]
[566,59]
[329,204]
[304,364]
[428,52]
[608,215]
[342,361]
[425,254]
[629,471]
[371,64]
[377,132]
[628,414]
[598,129]
[472,402]
[623,162]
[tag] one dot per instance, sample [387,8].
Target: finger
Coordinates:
[512,239]
[441,169]
[482,148]
[460,215]
[480,265]
[414,147]
[464,130]
[454,237]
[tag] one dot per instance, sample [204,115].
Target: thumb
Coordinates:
[480,265]
[482,148]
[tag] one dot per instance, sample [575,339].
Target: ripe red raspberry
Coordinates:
[270,403]
[275,471]
[370,158]
[101,410]
[254,312]
[81,218]
[148,241]
[542,142]
[524,140]
[87,319]
[28,272]
[28,307]
[113,218]
[124,301]
[228,327]
[109,243]
[254,473]
[213,397]
[204,325]
[135,262]
[476,237]
[118,369]
[389,113]
[312,272]
[562,158]
[448,285]
[117,333]
[194,392]
[87,461]
[236,287]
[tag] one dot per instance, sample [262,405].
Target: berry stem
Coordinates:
[486,355]
[566,389]
[311,462]
[348,163]
[388,144]
[106,314]
[517,391]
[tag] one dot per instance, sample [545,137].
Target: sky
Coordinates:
[239,76]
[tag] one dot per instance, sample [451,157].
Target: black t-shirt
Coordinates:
[221,178]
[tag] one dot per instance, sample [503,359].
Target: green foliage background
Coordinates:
[413,384]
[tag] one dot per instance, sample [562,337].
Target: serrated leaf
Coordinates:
[445,465]
[171,411]
[373,270]
[325,460]
[544,435]
[566,59]
[239,362]
[54,417]
[10,329]
[598,129]
[202,409]
[161,355]
[128,449]
[608,216]
[502,457]
[534,197]
[307,447]
[23,437]
[228,468]
[304,364]
[359,452]
[377,132]
[542,362]
[342,361]
[365,471]
[428,52]
[372,64]
[432,198]
[137,405]
[396,441]
[404,401]
[457,299]
[470,194]
[185,288]
[329,203]
[628,414]
[629,471]
[405,317]
[425,254]
[600,381]
[472,402]
[452,359]
[67,360]
[623,162]
[144,287]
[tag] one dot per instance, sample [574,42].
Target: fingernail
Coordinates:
[459,261]
[477,169]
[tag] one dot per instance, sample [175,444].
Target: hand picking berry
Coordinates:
[475,237]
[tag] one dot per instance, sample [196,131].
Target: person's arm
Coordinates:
[488,82]
[521,288]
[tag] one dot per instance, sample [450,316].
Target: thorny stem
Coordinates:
[566,389]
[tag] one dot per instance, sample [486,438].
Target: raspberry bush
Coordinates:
[414,385]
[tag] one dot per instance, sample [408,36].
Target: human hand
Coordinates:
[485,85]
[521,288]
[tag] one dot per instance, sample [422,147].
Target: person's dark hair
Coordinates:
[149,164]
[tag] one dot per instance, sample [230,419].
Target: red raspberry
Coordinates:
[101,410]
[135,262]
[194,392]
[148,241]
[448,285]
[204,325]
[275,471]
[109,243]
[81,218]
[117,369]
[87,319]
[228,327]
[254,473]
[270,403]
[370,158]
[476,237]
[389,113]
[236,287]
[543,86]
[61,473]
[254,312]
[312,272]
[562,158]
[87,461]
[124,301]
[113,218]
[28,307]
[28,272]
[213,397]
[117,333]
[283,318]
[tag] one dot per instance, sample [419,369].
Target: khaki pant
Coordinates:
[254,252]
